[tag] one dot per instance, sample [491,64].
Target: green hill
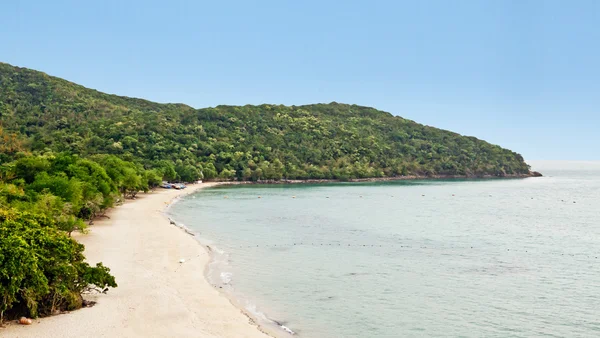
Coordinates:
[320,141]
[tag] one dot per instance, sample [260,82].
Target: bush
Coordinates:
[42,269]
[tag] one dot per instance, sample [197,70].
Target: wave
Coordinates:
[218,274]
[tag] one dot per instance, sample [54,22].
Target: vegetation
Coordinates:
[42,200]
[322,141]
[41,269]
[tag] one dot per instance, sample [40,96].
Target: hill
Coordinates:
[44,114]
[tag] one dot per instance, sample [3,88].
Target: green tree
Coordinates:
[187,172]
[131,183]
[28,167]
[153,177]
[69,189]
[41,268]
[166,169]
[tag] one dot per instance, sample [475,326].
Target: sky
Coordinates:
[523,74]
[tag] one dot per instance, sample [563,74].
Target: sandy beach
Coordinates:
[157,296]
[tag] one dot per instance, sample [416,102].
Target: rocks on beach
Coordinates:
[25,321]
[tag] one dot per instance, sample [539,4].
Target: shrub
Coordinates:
[42,269]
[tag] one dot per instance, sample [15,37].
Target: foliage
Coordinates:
[266,142]
[128,177]
[10,143]
[42,200]
[42,270]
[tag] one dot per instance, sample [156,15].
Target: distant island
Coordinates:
[41,114]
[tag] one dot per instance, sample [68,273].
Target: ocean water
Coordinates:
[456,258]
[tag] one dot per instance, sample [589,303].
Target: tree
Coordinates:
[28,167]
[131,183]
[227,174]
[57,210]
[247,174]
[187,172]
[166,169]
[153,178]
[209,171]
[42,269]
[69,189]
[10,143]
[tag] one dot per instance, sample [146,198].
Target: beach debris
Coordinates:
[181,261]
[259,197]
[25,321]
[87,303]
[189,232]
[172,222]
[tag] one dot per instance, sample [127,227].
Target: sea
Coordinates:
[421,258]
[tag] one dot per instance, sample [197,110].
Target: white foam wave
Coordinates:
[287,329]
[218,274]
[226,277]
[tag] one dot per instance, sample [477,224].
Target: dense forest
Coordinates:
[323,141]
[68,153]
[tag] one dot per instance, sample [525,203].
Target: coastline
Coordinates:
[118,312]
[384,179]
[266,325]
[157,296]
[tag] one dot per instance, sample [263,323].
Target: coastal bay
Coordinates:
[409,258]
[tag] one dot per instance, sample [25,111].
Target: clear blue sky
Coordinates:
[522,74]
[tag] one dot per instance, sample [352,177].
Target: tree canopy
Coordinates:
[42,270]
[329,141]
[43,199]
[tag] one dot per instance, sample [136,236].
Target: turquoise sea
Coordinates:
[453,258]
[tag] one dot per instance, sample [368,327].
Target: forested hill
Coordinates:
[44,114]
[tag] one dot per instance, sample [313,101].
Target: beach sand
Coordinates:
[157,296]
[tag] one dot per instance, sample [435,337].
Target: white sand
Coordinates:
[157,296]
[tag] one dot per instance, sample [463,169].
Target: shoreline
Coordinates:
[157,295]
[81,323]
[266,325]
[383,179]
